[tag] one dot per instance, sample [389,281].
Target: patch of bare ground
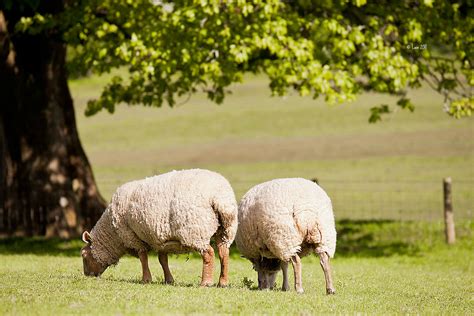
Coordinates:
[440,143]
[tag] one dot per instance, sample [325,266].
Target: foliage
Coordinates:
[334,49]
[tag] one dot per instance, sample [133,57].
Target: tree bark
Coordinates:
[46,183]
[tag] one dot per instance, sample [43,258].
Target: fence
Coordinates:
[400,213]
[397,200]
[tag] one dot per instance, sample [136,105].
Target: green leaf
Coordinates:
[463,107]
[376,113]
[405,103]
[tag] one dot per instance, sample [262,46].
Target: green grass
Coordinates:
[374,273]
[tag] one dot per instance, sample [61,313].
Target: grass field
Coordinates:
[390,170]
[374,273]
[384,180]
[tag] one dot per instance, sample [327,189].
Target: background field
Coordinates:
[384,179]
[390,170]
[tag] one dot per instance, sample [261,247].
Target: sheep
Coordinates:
[281,221]
[175,212]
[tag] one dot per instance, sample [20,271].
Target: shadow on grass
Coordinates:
[356,238]
[41,246]
[159,281]
[375,238]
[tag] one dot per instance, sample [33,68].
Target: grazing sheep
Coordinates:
[281,221]
[175,212]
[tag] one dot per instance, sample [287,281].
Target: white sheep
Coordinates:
[176,212]
[281,221]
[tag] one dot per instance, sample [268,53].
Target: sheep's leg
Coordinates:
[224,259]
[163,258]
[207,266]
[324,261]
[262,280]
[143,255]
[296,262]
[271,276]
[284,269]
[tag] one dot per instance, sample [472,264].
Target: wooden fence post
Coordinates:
[448,212]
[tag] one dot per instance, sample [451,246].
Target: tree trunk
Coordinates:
[46,183]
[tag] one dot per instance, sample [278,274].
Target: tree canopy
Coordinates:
[335,49]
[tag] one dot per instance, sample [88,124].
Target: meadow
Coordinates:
[392,169]
[45,277]
[384,179]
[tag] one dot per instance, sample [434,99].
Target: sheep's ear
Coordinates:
[86,237]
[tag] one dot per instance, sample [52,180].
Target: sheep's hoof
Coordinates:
[146,280]
[330,291]
[206,284]
[285,288]
[169,282]
[222,284]
[300,291]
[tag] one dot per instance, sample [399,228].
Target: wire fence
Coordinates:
[378,217]
[406,200]
[400,200]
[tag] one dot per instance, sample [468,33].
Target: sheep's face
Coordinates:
[267,270]
[91,266]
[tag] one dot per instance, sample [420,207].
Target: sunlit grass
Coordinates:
[373,271]
[376,270]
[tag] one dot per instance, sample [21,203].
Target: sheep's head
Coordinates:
[91,266]
[267,270]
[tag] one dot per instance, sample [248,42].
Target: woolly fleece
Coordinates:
[175,212]
[283,217]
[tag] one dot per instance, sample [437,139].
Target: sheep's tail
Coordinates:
[320,231]
[313,235]
[226,210]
